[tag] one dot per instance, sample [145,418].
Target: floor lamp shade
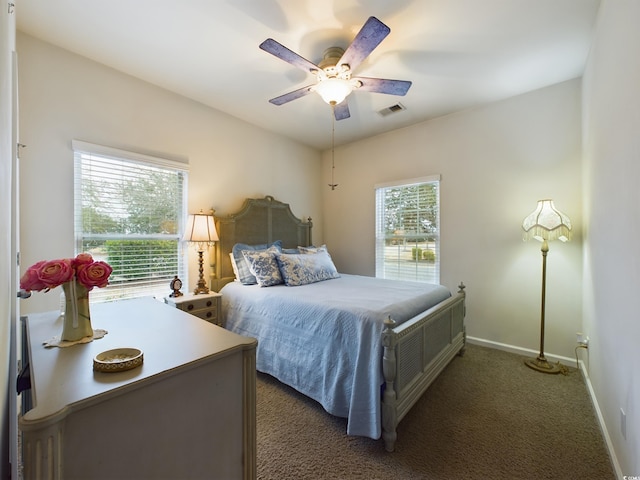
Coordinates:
[546,223]
[201,231]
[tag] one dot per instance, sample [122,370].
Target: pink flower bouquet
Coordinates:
[46,275]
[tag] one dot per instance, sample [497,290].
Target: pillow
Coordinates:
[234,266]
[313,249]
[263,266]
[305,268]
[244,274]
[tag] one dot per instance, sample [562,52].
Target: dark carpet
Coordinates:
[487,416]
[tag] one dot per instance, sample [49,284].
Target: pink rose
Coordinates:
[82,259]
[56,272]
[46,275]
[31,278]
[95,274]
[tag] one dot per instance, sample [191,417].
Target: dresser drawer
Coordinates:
[195,304]
[209,315]
[205,306]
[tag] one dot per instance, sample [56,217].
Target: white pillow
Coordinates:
[234,266]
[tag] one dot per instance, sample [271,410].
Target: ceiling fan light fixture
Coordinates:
[334,81]
[334,90]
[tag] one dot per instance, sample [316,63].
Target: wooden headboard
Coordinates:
[260,220]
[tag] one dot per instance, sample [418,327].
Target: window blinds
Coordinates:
[129,211]
[408,230]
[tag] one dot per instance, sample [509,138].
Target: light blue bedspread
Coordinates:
[323,339]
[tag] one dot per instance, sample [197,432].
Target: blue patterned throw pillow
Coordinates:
[263,266]
[305,268]
[244,274]
[312,249]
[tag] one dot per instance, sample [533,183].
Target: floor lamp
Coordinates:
[201,231]
[546,223]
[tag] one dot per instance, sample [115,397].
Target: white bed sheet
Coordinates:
[323,339]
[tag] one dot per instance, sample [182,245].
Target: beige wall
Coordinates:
[612,223]
[496,162]
[64,97]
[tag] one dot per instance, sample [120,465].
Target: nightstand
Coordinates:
[204,305]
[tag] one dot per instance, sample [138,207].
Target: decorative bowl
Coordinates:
[118,360]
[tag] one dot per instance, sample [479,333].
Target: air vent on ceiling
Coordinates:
[398,107]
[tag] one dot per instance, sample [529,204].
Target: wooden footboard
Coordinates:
[414,355]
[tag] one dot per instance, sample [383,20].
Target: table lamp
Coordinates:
[201,231]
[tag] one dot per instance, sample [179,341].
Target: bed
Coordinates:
[366,349]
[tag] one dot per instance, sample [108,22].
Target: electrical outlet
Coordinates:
[623,424]
[582,339]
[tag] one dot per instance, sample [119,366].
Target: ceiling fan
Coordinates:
[334,80]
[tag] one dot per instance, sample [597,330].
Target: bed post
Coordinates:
[461,291]
[389,397]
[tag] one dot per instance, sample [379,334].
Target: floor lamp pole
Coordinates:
[540,363]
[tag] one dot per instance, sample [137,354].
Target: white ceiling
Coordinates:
[458,53]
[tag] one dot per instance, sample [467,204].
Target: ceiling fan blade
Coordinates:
[367,39]
[287,97]
[383,85]
[289,56]
[341,111]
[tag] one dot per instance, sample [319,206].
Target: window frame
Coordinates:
[103,153]
[414,268]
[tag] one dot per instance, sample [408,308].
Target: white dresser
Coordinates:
[187,412]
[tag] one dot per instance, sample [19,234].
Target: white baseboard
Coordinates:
[569,362]
[603,426]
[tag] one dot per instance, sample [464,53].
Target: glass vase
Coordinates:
[77,316]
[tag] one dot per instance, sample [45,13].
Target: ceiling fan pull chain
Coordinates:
[333,185]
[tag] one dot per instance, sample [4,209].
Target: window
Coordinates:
[408,230]
[129,212]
